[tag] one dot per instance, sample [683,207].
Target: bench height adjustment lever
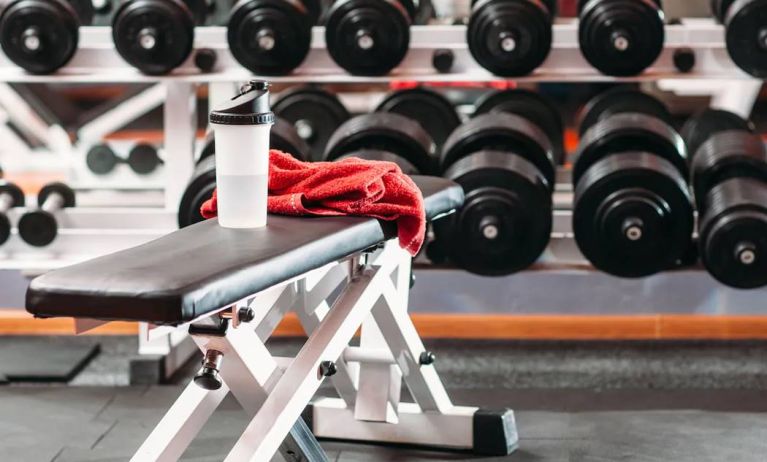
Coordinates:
[208,377]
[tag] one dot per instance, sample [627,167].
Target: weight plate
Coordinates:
[703,125]
[632,215]
[367,37]
[39,36]
[629,132]
[505,222]
[746,35]
[434,112]
[618,100]
[733,233]
[385,156]
[143,159]
[728,154]
[621,38]
[501,132]
[534,107]
[314,112]
[154,36]
[282,137]
[509,38]
[38,228]
[386,132]
[101,159]
[270,37]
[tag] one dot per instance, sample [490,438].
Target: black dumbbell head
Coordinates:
[377,154]
[40,36]
[101,159]
[632,215]
[719,8]
[746,34]
[270,37]
[282,137]
[143,159]
[703,125]
[62,189]
[733,233]
[509,38]
[434,112]
[501,132]
[16,196]
[505,222]
[387,132]
[154,36]
[368,37]
[727,154]
[314,112]
[38,228]
[534,107]
[618,100]
[620,37]
[199,190]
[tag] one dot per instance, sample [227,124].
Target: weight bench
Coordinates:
[230,288]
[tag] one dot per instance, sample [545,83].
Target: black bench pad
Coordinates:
[201,268]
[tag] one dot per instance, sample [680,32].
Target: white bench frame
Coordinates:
[368,291]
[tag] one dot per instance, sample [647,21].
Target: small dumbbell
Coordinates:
[10,196]
[384,136]
[156,36]
[729,179]
[142,159]
[632,213]
[369,37]
[505,163]
[41,36]
[39,227]
[745,23]
[272,37]
[620,37]
[510,38]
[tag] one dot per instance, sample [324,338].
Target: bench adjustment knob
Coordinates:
[427,358]
[327,369]
[208,377]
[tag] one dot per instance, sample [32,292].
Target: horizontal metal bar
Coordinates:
[97,61]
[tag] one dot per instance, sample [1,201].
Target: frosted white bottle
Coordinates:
[242,127]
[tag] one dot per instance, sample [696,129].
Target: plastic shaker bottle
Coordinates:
[241,128]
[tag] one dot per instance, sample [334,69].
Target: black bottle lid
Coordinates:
[250,107]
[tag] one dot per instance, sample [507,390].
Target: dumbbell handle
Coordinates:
[53,202]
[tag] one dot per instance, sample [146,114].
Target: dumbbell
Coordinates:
[729,177]
[142,159]
[384,136]
[434,112]
[39,227]
[510,37]
[745,33]
[533,106]
[272,37]
[369,37]
[156,36]
[10,196]
[41,36]
[505,163]
[314,112]
[282,137]
[620,37]
[632,211]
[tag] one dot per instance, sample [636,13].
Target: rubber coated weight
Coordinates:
[629,132]
[386,132]
[17,199]
[620,37]
[282,137]
[270,37]
[434,112]
[745,23]
[619,100]
[699,128]
[101,159]
[505,222]
[154,36]
[39,228]
[501,132]
[368,37]
[385,156]
[143,159]
[532,106]
[41,36]
[509,38]
[314,112]
[733,233]
[632,215]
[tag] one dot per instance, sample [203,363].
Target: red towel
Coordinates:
[347,187]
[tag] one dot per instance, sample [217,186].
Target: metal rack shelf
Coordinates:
[97,61]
